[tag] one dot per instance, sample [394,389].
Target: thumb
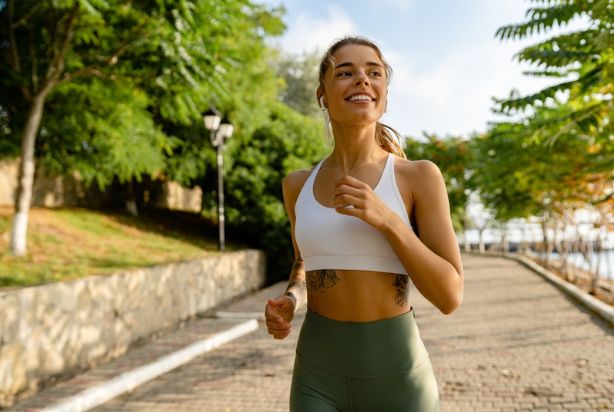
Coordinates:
[277,301]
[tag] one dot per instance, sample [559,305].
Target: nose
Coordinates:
[362,78]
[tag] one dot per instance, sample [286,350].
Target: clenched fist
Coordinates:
[279,313]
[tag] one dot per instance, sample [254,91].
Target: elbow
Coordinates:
[451,304]
[448,309]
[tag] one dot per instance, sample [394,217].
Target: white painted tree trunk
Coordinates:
[131,205]
[466,244]
[23,197]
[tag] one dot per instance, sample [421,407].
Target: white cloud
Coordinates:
[454,95]
[308,33]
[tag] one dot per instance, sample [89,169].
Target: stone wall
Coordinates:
[56,191]
[8,182]
[60,328]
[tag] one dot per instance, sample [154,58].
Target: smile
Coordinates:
[360,98]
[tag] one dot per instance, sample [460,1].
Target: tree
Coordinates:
[583,59]
[172,54]
[452,156]
[562,140]
[300,74]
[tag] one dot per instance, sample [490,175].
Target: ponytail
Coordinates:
[389,139]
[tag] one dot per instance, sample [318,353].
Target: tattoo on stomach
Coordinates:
[321,280]
[400,284]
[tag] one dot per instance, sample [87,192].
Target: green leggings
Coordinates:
[377,366]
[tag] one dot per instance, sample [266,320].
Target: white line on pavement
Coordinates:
[127,381]
[240,315]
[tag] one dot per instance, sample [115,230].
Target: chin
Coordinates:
[358,119]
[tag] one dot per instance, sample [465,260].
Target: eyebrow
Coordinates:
[345,64]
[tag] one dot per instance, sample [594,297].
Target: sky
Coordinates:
[447,64]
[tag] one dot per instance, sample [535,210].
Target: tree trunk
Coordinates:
[23,196]
[504,243]
[524,243]
[570,275]
[545,244]
[596,258]
[131,204]
[465,223]
[466,244]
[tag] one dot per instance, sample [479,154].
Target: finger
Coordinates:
[277,325]
[281,303]
[345,200]
[351,181]
[351,190]
[273,330]
[281,335]
[350,211]
[272,315]
[277,301]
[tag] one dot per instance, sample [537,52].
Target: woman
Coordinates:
[365,224]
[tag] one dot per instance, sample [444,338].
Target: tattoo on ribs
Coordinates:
[322,279]
[400,283]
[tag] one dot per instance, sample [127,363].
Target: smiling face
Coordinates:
[355,86]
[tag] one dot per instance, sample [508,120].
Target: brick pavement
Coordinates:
[516,344]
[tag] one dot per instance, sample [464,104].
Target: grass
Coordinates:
[69,243]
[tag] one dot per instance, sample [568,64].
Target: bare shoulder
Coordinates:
[418,175]
[291,186]
[417,170]
[294,181]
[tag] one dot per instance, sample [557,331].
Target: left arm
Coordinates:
[432,259]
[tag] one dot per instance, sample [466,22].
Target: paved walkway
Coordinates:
[516,344]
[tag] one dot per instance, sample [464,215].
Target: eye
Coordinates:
[342,74]
[376,74]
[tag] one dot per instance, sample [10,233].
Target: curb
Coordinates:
[99,394]
[594,304]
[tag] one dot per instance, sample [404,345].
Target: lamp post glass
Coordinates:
[211,119]
[219,132]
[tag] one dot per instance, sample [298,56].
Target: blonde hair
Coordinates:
[385,136]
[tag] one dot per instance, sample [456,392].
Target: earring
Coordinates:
[327,125]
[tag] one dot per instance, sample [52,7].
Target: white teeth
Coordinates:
[360,97]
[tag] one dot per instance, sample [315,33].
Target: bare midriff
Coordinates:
[356,295]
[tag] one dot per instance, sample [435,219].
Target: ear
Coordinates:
[320,98]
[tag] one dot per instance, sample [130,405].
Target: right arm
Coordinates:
[280,310]
[297,290]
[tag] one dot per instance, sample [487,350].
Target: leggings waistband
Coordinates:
[358,349]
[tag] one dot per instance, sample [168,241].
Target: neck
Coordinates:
[354,146]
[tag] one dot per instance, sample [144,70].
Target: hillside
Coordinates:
[70,242]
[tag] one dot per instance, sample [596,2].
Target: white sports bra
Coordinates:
[329,240]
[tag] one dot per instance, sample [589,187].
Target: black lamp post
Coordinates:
[219,130]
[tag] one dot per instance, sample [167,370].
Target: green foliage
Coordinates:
[452,156]
[559,154]
[300,75]
[132,80]
[115,137]
[584,59]
[518,175]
